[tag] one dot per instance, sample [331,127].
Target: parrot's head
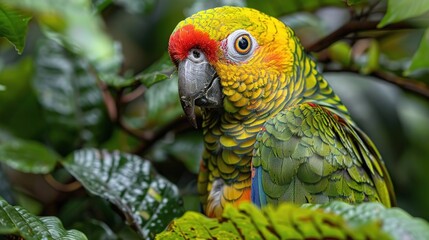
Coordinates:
[231,58]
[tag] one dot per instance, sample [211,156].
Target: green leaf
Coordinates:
[15,117]
[335,220]
[186,147]
[398,10]
[13,26]
[355,2]
[74,24]
[341,52]
[101,4]
[95,229]
[159,71]
[137,7]
[420,59]
[163,104]
[148,201]
[394,221]
[72,101]
[18,221]
[5,188]
[28,156]
[373,56]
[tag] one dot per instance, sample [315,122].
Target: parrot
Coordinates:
[274,131]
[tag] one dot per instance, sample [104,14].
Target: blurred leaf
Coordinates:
[160,70]
[5,188]
[412,178]
[398,10]
[18,103]
[116,80]
[277,8]
[100,5]
[13,26]
[28,156]
[73,103]
[17,220]
[355,2]
[75,25]
[148,201]
[2,87]
[30,204]
[341,52]
[163,102]
[159,106]
[186,147]
[137,6]
[335,220]
[95,229]
[83,208]
[420,59]
[373,56]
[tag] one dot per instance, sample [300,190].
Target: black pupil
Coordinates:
[243,43]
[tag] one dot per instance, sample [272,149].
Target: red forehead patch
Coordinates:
[186,38]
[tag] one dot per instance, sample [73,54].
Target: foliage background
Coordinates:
[95,74]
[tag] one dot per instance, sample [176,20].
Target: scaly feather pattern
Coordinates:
[278,114]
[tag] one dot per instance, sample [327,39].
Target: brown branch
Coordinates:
[407,84]
[108,100]
[353,27]
[129,97]
[55,184]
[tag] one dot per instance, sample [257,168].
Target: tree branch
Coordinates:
[356,26]
[407,84]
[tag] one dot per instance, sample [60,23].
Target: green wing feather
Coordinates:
[307,154]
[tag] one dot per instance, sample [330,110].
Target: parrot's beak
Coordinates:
[198,84]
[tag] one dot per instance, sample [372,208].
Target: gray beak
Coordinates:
[198,84]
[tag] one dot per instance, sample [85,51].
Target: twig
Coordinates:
[108,100]
[69,187]
[140,90]
[407,84]
[352,27]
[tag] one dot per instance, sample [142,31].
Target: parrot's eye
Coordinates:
[243,44]
[240,46]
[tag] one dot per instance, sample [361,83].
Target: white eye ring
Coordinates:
[240,46]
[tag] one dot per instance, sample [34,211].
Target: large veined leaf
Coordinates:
[28,156]
[13,26]
[148,201]
[70,97]
[394,221]
[335,220]
[18,221]
[398,10]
